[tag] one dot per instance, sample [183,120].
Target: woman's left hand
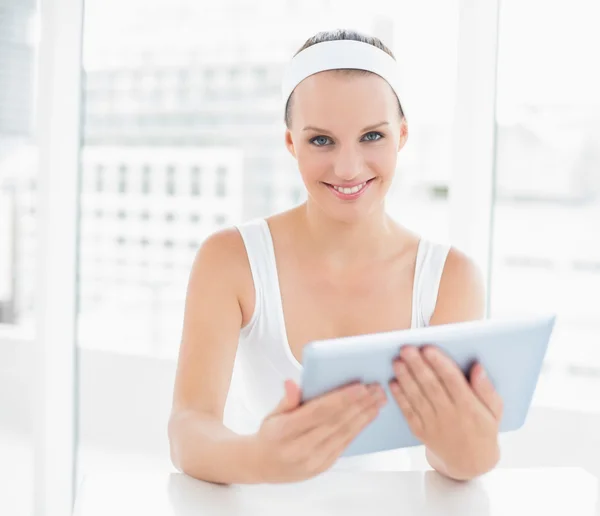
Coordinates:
[455,419]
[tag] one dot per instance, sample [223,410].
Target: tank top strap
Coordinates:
[431,259]
[257,250]
[266,328]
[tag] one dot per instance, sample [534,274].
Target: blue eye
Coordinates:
[378,136]
[320,141]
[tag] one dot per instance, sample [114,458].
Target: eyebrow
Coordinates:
[368,128]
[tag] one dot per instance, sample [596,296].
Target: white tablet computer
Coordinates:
[511,351]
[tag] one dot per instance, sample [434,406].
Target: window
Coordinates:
[100,178]
[267,192]
[19,256]
[297,195]
[123,179]
[221,178]
[209,74]
[546,223]
[195,175]
[170,180]
[184,77]
[260,75]
[146,171]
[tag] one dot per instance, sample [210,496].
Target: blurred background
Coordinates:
[181,134]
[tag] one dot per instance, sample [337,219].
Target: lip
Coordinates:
[349,197]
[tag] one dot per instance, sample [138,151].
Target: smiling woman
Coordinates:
[346,151]
[334,266]
[351,152]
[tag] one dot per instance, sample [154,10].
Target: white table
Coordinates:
[510,492]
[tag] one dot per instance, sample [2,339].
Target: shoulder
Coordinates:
[223,257]
[461,295]
[222,263]
[224,248]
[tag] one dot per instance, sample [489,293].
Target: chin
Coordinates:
[350,213]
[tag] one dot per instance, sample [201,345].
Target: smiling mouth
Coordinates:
[353,191]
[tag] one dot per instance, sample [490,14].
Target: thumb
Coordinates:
[483,387]
[291,398]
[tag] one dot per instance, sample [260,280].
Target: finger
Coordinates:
[335,446]
[291,398]
[415,423]
[429,382]
[338,428]
[377,399]
[323,409]
[450,374]
[485,391]
[412,391]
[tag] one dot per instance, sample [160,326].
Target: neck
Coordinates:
[344,244]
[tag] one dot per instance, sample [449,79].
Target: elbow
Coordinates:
[186,456]
[175,442]
[177,430]
[464,472]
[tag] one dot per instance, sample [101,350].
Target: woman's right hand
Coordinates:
[296,442]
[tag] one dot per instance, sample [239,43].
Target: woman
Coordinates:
[337,265]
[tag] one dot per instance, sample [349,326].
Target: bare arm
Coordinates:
[201,446]
[461,298]
[295,441]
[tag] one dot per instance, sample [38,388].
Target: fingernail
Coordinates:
[407,350]
[482,374]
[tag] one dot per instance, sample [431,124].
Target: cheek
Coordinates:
[313,165]
[382,161]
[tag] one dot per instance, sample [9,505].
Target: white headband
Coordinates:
[333,55]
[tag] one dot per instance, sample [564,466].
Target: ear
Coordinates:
[289,143]
[403,134]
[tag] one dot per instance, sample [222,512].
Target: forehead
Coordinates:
[343,99]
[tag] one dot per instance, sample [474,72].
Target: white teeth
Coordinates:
[350,191]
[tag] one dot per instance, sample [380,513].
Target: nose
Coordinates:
[348,164]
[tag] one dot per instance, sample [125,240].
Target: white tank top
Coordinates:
[264,359]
